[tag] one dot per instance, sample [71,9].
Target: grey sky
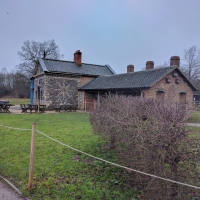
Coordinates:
[114,32]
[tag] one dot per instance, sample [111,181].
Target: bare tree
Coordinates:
[31,51]
[165,64]
[191,67]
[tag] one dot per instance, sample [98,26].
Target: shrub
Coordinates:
[151,136]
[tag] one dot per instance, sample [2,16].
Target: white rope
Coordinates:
[127,168]
[154,176]
[16,128]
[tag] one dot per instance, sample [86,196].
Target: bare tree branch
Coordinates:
[31,51]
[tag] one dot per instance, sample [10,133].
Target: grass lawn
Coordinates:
[16,101]
[195,117]
[60,173]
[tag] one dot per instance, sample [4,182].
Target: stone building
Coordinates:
[197,96]
[163,83]
[56,82]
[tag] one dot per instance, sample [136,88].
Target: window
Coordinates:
[182,100]
[168,80]
[160,95]
[177,81]
[182,97]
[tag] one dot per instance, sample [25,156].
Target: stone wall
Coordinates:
[61,90]
[39,84]
[173,85]
[57,90]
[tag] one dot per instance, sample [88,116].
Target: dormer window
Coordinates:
[168,80]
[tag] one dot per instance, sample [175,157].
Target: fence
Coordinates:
[90,106]
[196,105]
[97,158]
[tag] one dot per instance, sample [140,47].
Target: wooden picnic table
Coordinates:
[32,107]
[4,107]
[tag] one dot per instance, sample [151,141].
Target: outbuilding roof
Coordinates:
[68,67]
[197,93]
[136,80]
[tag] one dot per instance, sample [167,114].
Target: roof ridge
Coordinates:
[73,62]
[146,71]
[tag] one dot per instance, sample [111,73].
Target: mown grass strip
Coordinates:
[17,101]
[60,173]
[195,117]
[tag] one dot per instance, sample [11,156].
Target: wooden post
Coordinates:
[32,156]
[98,99]
[38,105]
[85,105]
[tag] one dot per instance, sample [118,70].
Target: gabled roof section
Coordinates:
[197,93]
[67,67]
[134,80]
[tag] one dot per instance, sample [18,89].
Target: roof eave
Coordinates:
[42,64]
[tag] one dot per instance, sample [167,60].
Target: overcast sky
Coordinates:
[114,32]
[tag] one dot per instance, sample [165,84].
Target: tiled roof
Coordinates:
[197,93]
[59,66]
[141,79]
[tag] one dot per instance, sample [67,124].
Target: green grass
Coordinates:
[16,101]
[60,173]
[195,117]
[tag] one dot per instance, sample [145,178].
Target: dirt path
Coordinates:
[193,124]
[8,193]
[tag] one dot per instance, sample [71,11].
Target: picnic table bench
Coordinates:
[32,107]
[67,107]
[5,106]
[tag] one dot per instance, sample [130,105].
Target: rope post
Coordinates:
[32,157]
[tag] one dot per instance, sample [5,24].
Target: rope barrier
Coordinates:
[16,128]
[127,168]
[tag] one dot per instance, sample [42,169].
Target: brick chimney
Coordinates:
[130,68]
[175,60]
[77,57]
[149,65]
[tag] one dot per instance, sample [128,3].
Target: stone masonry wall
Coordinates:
[39,82]
[172,88]
[61,90]
[57,90]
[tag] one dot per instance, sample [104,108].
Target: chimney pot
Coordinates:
[130,68]
[77,57]
[149,65]
[175,60]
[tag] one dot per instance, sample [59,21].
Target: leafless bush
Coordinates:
[151,136]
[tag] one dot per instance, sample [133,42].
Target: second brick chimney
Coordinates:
[149,65]
[130,68]
[175,60]
[77,57]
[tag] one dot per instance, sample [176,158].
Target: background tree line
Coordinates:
[17,83]
[14,84]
